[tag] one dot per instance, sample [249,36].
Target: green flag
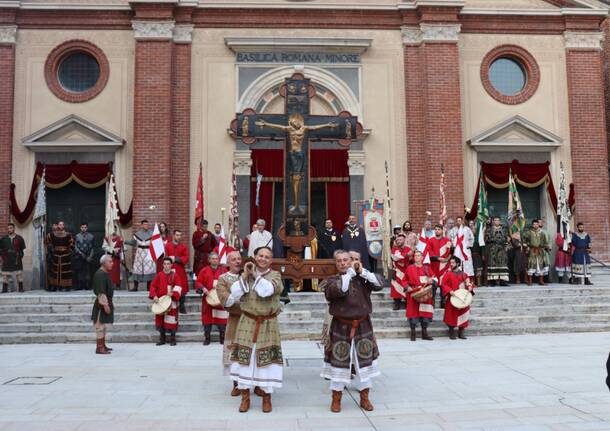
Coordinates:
[482,212]
[516,218]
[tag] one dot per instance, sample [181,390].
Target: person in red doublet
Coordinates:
[203,243]
[166,236]
[440,251]
[418,277]
[453,280]
[401,255]
[170,283]
[115,250]
[179,254]
[211,315]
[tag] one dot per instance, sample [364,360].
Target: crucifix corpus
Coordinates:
[297,127]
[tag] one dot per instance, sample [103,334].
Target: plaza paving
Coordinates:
[527,382]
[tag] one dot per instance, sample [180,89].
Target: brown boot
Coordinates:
[335,406]
[541,280]
[100,349]
[452,333]
[221,337]
[396,305]
[235,392]
[244,406]
[413,335]
[105,346]
[172,339]
[258,391]
[207,338]
[424,334]
[161,338]
[461,335]
[20,286]
[267,403]
[529,280]
[365,404]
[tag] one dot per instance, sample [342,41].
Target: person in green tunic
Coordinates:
[256,356]
[538,247]
[103,309]
[496,243]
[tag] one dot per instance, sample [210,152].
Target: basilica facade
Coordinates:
[147,90]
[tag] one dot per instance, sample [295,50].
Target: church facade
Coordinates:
[147,90]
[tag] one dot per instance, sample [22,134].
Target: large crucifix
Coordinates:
[297,127]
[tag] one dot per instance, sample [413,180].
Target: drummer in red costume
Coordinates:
[401,255]
[170,283]
[179,254]
[453,280]
[206,282]
[440,251]
[418,277]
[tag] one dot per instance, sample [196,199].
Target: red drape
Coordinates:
[270,164]
[89,175]
[337,203]
[329,165]
[527,174]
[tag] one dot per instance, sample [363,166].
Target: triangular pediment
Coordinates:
[515,134]
[72,133]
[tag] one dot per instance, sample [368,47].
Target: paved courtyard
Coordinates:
[530,382]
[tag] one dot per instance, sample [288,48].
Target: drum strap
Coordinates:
[259,320]
[354,324]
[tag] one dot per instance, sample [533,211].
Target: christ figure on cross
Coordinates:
[296,130]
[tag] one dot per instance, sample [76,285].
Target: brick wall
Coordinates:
[589,146]
[7,85]
[152,130]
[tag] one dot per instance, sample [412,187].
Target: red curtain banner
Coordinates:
[337,203]
[269,164]
[527,174]
[89,175]
[329,165]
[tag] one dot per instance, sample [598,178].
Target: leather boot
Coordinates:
[267,403]
[365,404]
[21,286]
[134,288]
[105,346]
[396,305]
[461,335]
[258,391]
[588,281]
[100,349]
[335,405]
[221,337]
[529,280]
[161,338]
[452,333]
[182,306]
[5,288]
[541,280]
[244,406]
[235,392]
[172,339]
[413,335]
[206,338]
[424,334]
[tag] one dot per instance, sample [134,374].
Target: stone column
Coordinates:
[152,120]
[242,163]
[588,144]
[181,213]
[8,36]
[357,166]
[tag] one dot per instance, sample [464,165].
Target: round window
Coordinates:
[507,76]
[78,72]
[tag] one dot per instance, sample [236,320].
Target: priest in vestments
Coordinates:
[203,243]
[329,241]
[259,238]
[453,280]
[354,239]
[207,279]
[178,252]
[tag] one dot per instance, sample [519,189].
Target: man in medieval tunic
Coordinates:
[61,244]
[439,247]
[538,253]
[11,250]
[563,258]
[517,256]
[178,252]
[496,242]
[353,238]
[411,237]
[82,257]
[581,259]
[115,250]
[223,289]
[401,257]
[169,283]
[257,351]
[259,238]
[453,280]
[102,314]
[419,276]
[203,243]
[462,246]
[329,240]
[206,282]
[352,342]
[144,267]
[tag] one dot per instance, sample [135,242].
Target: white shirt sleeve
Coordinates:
[237,291]
[345,279]
[370,277]
[263,288]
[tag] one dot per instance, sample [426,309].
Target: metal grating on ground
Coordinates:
[23,381]
[304,362]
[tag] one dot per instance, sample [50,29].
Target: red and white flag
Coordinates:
[156,244]
[222,247]
[423,247]
[199,198]
[443,205]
